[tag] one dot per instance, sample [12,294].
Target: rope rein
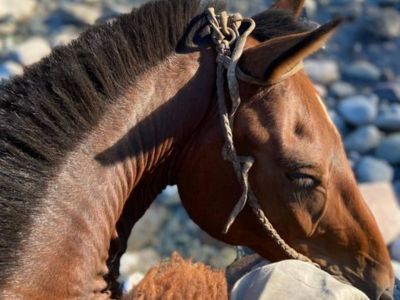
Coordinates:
[225,35]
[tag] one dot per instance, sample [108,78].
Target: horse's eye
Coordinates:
[303,181]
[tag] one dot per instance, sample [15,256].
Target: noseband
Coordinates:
[230,45]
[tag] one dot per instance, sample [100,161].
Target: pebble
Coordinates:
[17,10]
[32,50]
[225,257]
[389,118]
[362,72]
[87,14]
[370,169]
[388,91]
[342,89]
[323,72]
[132,281]
[384,23]
[363,139]
[140,261]
[389,149]
[395,250]
[144,232]
[359,110]
[339,122]
[65,36]
[10,68]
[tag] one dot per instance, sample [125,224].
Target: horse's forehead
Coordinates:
[302,122]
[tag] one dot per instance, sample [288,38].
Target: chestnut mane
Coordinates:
[181,279]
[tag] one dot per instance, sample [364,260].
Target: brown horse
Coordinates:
[92,133]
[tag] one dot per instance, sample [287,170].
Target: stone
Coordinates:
[370,169]
[388,91]
[65,36]
[339,122]
[322,71]
[225,257]
[10,68]
[140,261]
[32,50]
[362,71]
[389,149]
[17,10]
[395,250]
[396,186]
[389,118]
[359,110]
[342,89]
[310,7]
[169,196]
[382,202]
[363,139]
[8,28]
[144,232]
[14,68]
[132,281]
[384,23]
[87,14]
[285,279]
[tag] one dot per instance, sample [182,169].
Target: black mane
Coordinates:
[46,113]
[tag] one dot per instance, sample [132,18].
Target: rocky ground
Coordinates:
[358,74]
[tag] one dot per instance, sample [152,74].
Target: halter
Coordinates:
[225,33]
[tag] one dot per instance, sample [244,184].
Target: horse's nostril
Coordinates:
[387,295]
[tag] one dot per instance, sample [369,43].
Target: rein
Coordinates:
[225,34]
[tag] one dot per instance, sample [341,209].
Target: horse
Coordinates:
[93,132]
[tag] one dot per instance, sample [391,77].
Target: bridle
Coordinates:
[230,43]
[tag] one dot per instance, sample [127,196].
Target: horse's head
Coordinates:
[301,176]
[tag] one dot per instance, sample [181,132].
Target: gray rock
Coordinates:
[362,71]
[389,149]
[382,202]
[359,110]
[396,186]
[32,50]
[396,269]
[146,229]
[65,36]
[8,27]
[224,258]
[322,71]
[370,169]
[87,14]
[384,23]
[363,139]
[389,118]
[17,10]
[388,91]
[9,69]
[342,89]
[287,278]
[140,261]
[339,122]
[395,250]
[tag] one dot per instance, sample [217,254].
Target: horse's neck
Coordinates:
[131,155]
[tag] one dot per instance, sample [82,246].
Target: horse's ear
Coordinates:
[295,6]
[273,59]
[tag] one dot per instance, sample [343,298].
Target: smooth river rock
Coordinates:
[389,149]
[359,110]
[371,169]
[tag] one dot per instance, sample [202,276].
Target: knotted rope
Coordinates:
[230,45]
